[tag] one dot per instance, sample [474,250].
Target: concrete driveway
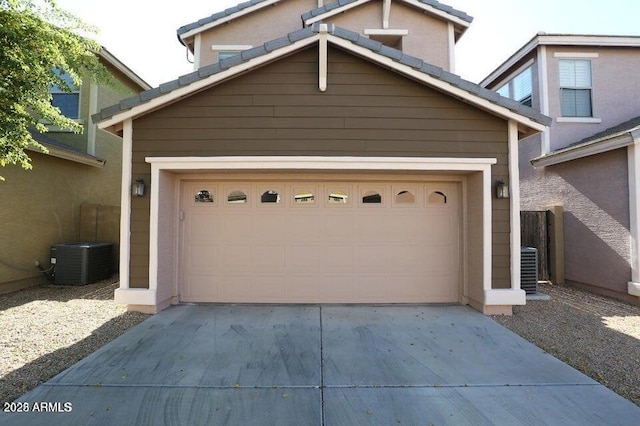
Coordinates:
[331,365]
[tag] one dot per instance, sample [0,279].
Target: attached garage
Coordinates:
[316,239]
[318,170]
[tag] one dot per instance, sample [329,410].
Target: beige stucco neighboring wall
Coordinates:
[615,82]
[594,193]
[42,206]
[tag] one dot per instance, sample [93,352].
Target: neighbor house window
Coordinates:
[67,102]
[520,88]
[575,88]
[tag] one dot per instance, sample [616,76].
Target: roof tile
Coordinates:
[278,43]
[397,55]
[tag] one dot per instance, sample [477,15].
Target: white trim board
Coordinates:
[178,164]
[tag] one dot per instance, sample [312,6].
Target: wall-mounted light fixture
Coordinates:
[137,188]
[502,189]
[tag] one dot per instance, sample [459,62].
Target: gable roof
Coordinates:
[247,7]
[619,136]
[543,39]
[431,6]
[372,50]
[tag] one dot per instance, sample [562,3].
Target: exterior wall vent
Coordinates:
[529,270]
[81,263]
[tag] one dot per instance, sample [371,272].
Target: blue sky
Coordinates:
[142,33]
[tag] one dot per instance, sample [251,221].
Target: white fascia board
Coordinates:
[204,83]
[226,19]
[580,151]
[514,59]
[76,157]
[438,84]
[587,40]
[320,163]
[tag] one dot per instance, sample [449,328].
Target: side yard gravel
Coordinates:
[596,335]
[46,329]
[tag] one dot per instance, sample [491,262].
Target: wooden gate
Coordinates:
[534,232]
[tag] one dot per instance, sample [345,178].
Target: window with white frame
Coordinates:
[68,102]
[575,88]
[519,88]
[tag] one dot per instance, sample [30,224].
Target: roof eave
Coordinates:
[597,146]
[65,154]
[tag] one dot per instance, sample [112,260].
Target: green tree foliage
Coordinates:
[36,38]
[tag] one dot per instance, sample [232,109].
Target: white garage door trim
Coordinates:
[163,294]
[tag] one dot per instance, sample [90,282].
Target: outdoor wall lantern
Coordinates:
[137,188]
[502,189]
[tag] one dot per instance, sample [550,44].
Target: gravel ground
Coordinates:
[597,335]
[47,329]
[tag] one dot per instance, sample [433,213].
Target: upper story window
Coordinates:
[519,88]
[575,87]
[67,102]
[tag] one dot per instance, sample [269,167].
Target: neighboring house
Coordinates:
[42,206]
[586,163]
[320,167]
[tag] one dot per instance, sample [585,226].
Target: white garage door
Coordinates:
[320,242]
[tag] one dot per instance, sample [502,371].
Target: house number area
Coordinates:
[37,407]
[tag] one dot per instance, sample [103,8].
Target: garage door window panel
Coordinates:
[372,197]
[205,196]
[238,197]
[271,195]
[338,196]
[437,198]
[404,196]
[304,196]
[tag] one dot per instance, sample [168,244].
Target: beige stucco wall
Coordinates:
[42,206]
[616,89]
[594,193]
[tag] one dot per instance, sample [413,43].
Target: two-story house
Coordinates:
[322,153]
[73,191]
[586,164]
